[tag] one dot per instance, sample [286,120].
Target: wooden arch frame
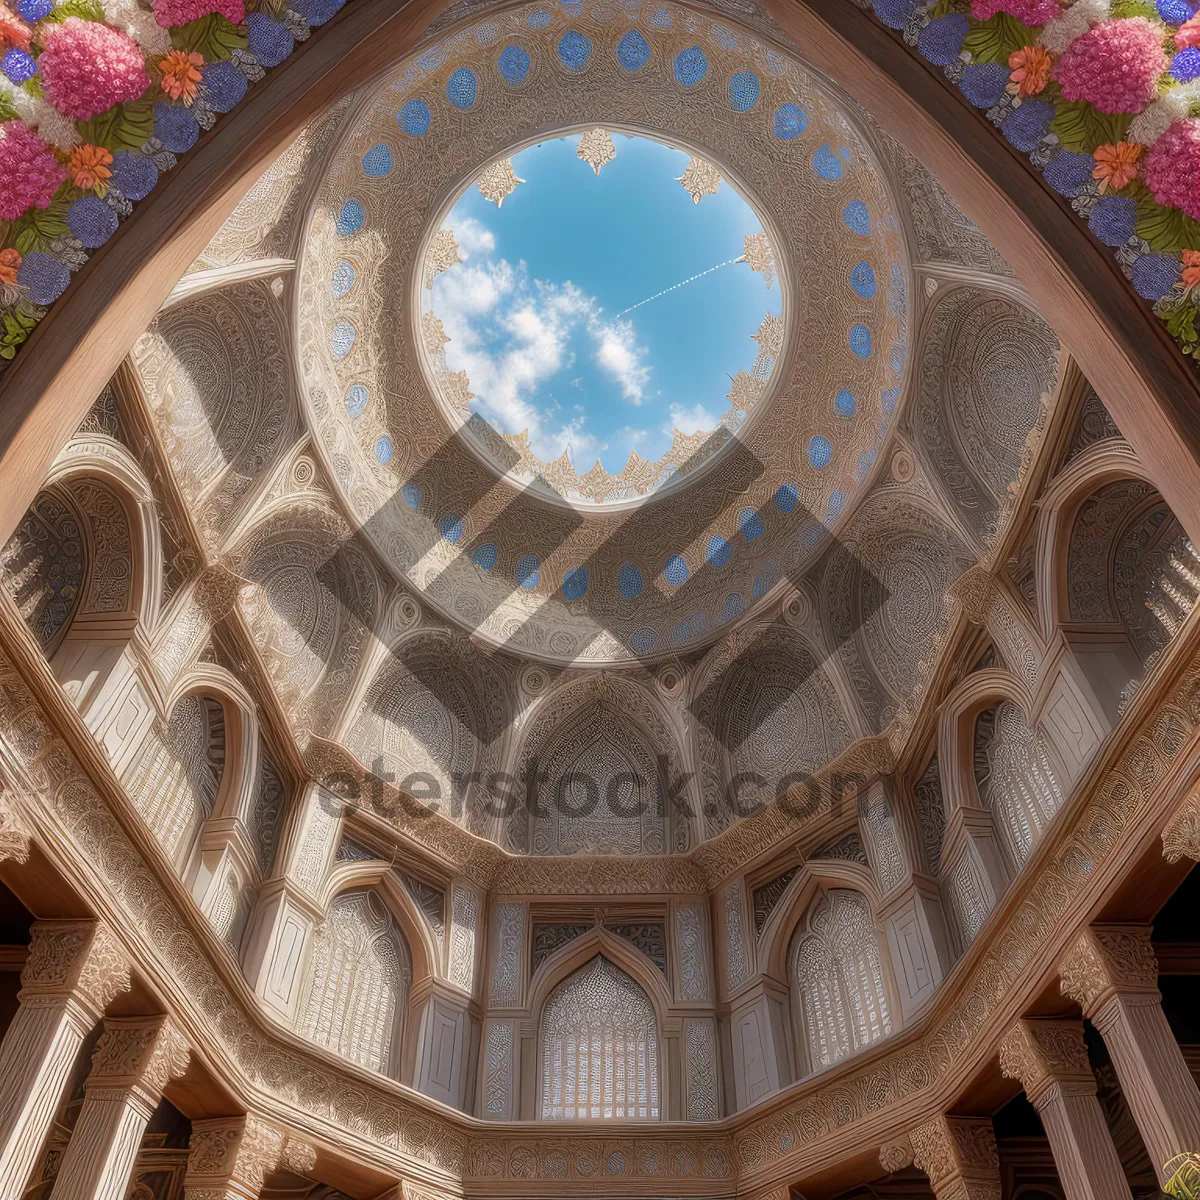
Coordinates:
[576,954]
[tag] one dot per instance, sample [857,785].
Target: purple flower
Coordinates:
[91,221]
[44,276]
[175,127]
[133,174]
[224,85]
[270,42]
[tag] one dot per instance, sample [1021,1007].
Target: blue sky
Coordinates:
[532,313]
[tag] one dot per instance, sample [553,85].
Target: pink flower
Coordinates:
[1188,34]
[29,172]
[1172,167]
[87,68]
[180,12]
[1028,12]
[1114,66]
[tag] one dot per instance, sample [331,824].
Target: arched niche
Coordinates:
[355,997]
[1016,778]
[84,568]
[768,709]
[436,707]
[599,1055]
[314,601]
[1123,574]
[177,776]
[841,999]
[597,748]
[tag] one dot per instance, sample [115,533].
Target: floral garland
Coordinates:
[97,99]
[1104,97]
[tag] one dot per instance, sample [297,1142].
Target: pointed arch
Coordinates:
[599,1052]
[355,1000]
[836,971]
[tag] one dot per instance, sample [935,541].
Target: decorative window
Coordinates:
[175,777]
[599,1048]
[1015,778]
[838,977]
[358,983]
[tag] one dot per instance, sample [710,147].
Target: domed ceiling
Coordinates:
[434,598]
[663,556]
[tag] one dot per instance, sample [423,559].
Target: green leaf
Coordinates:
[1080,127]
[1134,8]
[123,127]
[40,226]
[1164,228]
[999,37]
[17,327]
[7,112]
[1181,324]
[88,10]
[214,36]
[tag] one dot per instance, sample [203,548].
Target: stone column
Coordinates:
[1111,972]
[1050,1059]
[135,1059]
[74,970]
[230,1157]
[957,1153]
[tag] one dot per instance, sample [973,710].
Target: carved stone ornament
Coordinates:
[217,591]
[498,181]
[1181,838]
[1105,961]
[14,838]
[79,957]
[761,257]
[232,1150]
[700,178]
[141,1052]
[298,1157]
[1042,1053]
[895,1156]
[596,148]
[959,1156]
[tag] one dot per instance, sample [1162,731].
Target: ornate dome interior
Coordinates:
[463,796]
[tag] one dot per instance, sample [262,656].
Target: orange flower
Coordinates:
[10,262]
[12,29]
[1029,68]
[1116,165]
[1191,268]
[88,166]
[181,74]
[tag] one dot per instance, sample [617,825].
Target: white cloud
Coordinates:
[473,237]
[621,358]
[512,335]
[692,420]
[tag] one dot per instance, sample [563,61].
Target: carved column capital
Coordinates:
[139,1053]
[959,1156]
[14,837]
[1181,837]
[231,1156]
[78,958]
[1106,960]
[1043,1053]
